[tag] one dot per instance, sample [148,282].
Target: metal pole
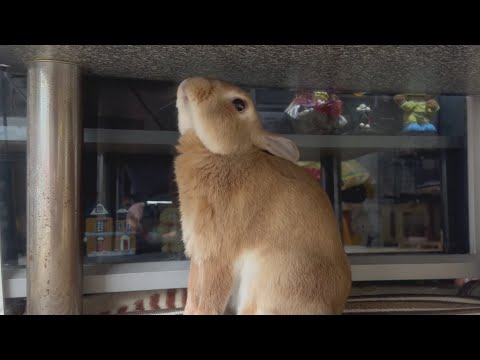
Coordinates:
[2,298]
[54,268]
[4,113]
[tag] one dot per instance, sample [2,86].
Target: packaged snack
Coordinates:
[317,112]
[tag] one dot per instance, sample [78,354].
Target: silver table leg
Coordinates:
[54,277]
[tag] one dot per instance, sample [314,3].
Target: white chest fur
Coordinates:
[246,270]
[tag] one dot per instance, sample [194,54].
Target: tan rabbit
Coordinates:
[260,232]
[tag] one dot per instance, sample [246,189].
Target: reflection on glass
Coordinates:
[395,165]
[13,167]
[132,208]
[399,165]
[392,200]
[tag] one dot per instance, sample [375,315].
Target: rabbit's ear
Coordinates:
[279,146]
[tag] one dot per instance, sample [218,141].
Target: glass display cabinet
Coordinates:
[400,167]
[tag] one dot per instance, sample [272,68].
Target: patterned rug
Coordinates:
[172,302]
[412,305]
[405,305]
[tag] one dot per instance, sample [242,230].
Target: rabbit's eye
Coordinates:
[239,105]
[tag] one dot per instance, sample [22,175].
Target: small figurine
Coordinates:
[418,112]
[364,110]
[364,123]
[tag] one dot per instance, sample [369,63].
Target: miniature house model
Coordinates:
[102,239]
[99,231]
[124,236]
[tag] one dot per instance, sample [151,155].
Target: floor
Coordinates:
[172,300]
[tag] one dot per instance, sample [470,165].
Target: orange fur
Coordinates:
[242,205]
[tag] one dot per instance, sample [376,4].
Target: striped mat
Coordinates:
[391,305]
[172,302]
[412,305]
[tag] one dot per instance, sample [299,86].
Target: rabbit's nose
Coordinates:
[181,93]
[181,89]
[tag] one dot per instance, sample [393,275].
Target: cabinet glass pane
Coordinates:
[394,166]
[393,191]
[13,177]
[395,169]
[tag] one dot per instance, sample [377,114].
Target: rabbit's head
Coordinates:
[224,118]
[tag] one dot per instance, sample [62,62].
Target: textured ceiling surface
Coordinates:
[382,69]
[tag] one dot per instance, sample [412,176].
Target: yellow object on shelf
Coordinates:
[353,174]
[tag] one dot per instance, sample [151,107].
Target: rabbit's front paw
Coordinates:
[189,310]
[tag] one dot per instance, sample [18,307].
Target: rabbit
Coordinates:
[260,232]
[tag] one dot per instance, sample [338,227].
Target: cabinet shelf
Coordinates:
[145,257]
[312,147]
[352,146]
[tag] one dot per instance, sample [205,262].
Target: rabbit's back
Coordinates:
[241,201]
